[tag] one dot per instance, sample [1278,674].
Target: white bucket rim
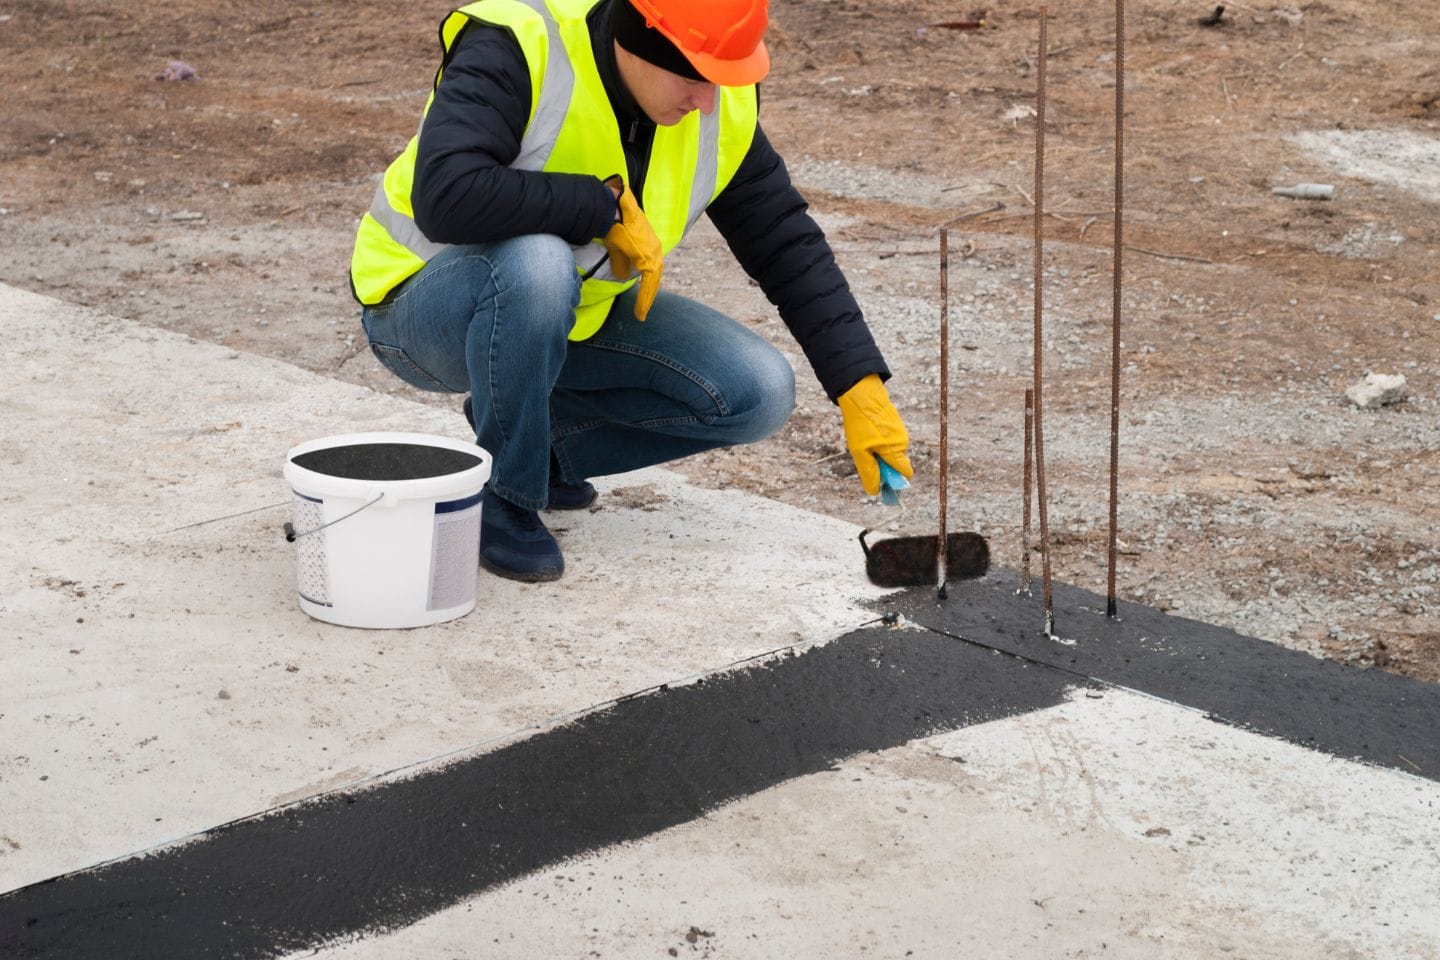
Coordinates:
[304,480]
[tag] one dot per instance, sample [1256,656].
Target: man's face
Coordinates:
[667,98]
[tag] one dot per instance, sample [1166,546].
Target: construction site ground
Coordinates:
[1252,495]
[707,740]
[704,741]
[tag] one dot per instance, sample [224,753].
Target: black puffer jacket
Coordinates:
[465,192]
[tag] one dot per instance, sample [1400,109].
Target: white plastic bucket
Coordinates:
[387,527]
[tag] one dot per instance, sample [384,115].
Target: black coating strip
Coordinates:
[380,858]
[1370,715]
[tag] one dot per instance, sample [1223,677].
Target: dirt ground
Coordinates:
[1252,494]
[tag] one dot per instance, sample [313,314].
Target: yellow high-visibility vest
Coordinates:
[571,129]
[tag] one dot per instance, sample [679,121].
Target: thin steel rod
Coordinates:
[940,552]
[1028,488]
[1039,324]
[1115,308]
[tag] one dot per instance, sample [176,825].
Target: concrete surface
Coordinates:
[1117,827]
[160,680]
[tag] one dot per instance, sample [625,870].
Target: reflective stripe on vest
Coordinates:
[571,129]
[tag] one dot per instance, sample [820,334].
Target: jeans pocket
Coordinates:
[398,362]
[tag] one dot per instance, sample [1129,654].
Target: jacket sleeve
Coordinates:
[464,189]
[768,227]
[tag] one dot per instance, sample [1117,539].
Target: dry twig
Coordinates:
[1168,256]
[971,215]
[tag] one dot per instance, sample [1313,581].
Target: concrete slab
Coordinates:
[161,681]
[1368,715]
[1110,827]
[170,671]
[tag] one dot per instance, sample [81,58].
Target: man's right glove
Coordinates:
[873,429]
[633,246]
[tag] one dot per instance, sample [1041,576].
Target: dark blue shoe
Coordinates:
[569,496]
[515,544]
[562,495]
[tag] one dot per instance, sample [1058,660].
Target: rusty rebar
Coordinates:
[1026,485]
[1110,607]
[940,551]
[1039,325]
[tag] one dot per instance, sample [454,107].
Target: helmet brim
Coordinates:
[732,73]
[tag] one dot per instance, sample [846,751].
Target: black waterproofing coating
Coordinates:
[465,192]
[386,461]
[386,855]
[373,859]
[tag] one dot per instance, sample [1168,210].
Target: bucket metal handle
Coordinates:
[291,536]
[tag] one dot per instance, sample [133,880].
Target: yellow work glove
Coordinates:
[873,429]
[633,246]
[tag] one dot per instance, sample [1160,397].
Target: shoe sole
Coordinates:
[526,576]
[595,495]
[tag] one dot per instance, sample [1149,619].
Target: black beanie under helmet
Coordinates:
[635,36]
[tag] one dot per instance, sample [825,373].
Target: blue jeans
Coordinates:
[492,320]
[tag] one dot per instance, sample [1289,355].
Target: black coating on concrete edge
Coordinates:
[1371,715]
[388,856]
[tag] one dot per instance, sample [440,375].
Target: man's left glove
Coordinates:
[633,246]
[873,429]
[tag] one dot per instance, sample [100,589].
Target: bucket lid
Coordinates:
[386,461]
[406,466]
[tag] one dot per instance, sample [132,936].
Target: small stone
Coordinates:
[1376,390]
[223,695]
[178,70]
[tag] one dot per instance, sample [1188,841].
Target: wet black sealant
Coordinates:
[1370,715]
[375,859]
[386,461]
[381,858]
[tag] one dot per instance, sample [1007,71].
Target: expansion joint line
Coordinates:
[1078,674]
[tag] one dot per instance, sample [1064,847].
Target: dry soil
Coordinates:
[1251,493]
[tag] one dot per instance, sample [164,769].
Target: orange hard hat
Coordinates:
[723,39]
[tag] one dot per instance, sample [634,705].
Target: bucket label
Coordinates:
[310,550]
[454,553]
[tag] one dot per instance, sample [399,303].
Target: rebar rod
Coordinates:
[1039,326]
[1026,485]
[1115,308]
[940,551]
